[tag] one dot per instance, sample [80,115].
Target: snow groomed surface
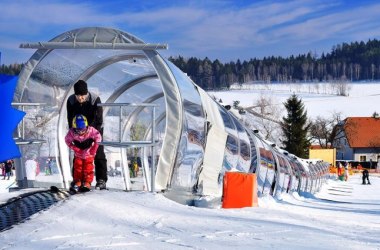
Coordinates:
[143,220]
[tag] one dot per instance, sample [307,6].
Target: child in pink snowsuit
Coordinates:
[84,141]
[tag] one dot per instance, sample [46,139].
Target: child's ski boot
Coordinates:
[86,187]
[74,188]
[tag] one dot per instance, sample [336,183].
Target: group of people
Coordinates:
[85,120]
[343,171]
[6,169]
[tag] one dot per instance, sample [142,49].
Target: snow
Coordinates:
[343,215]
[362,100]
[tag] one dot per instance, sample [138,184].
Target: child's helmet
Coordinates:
[80,122]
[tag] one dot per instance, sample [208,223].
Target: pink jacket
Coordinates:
[90,133]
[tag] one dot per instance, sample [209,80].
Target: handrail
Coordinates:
[20,140]
[130,144]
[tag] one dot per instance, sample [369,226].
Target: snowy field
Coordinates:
[363,99]
[344,215]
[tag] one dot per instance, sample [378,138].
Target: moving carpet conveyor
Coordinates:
[20,208]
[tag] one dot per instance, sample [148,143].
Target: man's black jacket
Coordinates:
[89,108]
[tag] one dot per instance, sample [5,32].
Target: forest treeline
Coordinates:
[357,61]
[12,69]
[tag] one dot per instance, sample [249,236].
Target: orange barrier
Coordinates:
[333,170]
[239,190]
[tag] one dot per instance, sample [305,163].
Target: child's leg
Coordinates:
[78,171]
[89,171]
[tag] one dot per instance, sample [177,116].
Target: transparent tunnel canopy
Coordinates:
[156,120]
[116,76]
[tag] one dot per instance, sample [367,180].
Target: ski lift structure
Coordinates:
[183,140]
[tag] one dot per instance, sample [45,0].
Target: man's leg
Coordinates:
[100,168]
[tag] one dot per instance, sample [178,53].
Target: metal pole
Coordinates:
[120,114]
[22,125]
[153,150]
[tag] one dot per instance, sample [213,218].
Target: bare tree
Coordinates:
[267,114]
[328,131]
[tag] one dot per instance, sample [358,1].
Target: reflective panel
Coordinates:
[191,150]
[283,179]
[244,153]
[231,153]
[254,162]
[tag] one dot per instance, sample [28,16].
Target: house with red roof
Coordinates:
[360,140]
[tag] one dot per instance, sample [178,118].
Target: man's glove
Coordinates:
[84,144]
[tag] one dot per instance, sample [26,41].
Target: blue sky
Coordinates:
[225,29]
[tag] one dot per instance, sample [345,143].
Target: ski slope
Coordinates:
[346,218]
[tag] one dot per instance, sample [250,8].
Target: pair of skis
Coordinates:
[72,191]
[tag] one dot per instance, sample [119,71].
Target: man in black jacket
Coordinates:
[86,103]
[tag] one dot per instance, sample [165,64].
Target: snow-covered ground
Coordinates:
[362,100]
[343,215]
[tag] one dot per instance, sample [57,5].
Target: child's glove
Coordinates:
[84,144]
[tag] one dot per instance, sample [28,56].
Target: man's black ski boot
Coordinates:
[100,185]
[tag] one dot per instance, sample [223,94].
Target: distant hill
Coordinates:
[357,61]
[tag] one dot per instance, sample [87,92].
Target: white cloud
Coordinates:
[215,28]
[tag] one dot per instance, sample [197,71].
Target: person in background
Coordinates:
[48,167]
[31,170]
[360,166]
[340,171]
[135,169]
[365,177]
[8,169]
[346,171]
[86,103]
[83,169]
[2,167]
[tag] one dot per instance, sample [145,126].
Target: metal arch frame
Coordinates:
[40,54]
[133,82]
[174,118]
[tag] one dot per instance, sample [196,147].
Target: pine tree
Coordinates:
[295,127]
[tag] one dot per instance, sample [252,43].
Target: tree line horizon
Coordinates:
[354,62]
[347,62]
